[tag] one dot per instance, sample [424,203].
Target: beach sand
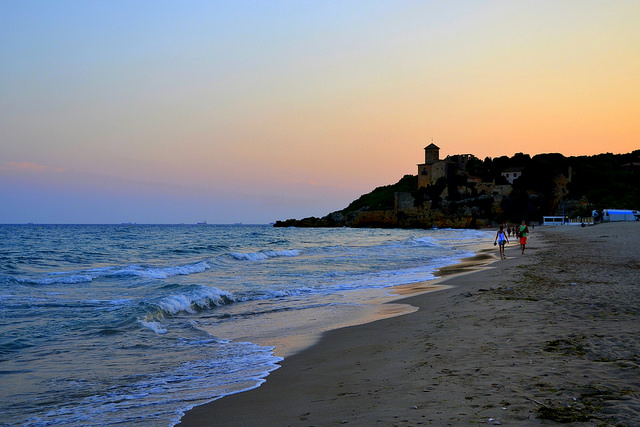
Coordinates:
[551,336]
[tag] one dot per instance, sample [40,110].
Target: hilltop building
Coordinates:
[433,168]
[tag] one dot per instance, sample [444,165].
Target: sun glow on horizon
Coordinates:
[221,106]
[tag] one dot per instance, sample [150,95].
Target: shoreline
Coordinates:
[352,308]
[505,343]
[390,303]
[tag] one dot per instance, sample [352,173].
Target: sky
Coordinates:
[253,111]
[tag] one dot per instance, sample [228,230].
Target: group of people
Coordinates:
[502,238]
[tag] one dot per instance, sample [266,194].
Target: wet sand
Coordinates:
[551,336]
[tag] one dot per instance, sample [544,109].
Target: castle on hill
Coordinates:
[461,191]
[433,168]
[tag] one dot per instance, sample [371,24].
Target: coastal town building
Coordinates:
[511,174]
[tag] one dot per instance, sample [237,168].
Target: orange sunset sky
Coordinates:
[169,112]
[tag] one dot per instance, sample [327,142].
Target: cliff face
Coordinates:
[462,214]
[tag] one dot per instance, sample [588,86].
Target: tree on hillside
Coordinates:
[383,198]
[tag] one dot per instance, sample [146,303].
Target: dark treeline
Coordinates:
[593,182]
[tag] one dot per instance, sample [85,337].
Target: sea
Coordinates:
[134,324]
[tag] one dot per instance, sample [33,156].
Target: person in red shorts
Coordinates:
[523,232]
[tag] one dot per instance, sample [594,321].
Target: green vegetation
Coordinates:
[430,193]
[383,198]
[595,182]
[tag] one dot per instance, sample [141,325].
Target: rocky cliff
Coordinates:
[460,214]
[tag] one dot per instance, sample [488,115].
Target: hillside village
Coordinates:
[462,191]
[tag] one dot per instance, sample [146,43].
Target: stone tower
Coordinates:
[431,154]
[425,170]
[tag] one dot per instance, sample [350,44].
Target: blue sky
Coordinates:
[170,112]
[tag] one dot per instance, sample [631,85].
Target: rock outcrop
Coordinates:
[460,214]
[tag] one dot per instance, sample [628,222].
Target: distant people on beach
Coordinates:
[597,216]
[501,238]
[523,233]
[508,230]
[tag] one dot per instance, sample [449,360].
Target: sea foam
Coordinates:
[262,255]
[84,276]
[154,326]
[196,299]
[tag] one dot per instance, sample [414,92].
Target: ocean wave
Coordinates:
[267,294]
[170,322]
[154,326]
[198,298]
[424,241]
[196,249]
[83,276]
[195,299]
[465,234]
[162,272]
[262,255]
[57,278]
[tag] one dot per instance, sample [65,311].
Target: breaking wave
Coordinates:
[195,299]
[83,276]
[262,255]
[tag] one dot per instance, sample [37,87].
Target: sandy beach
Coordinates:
[537,339]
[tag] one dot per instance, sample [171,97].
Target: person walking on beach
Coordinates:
[523,232]
[501,238]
